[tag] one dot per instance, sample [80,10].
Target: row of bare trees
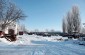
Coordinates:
[72,22]
[9,13]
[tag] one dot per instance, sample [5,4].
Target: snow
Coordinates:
[27,40]
[38,45]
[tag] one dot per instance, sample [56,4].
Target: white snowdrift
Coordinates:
[26,39]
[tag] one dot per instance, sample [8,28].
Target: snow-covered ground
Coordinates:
[29,39]
[38,45]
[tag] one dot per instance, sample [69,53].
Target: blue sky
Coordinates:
[47,14]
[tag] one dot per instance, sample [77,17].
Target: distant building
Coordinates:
[14,28]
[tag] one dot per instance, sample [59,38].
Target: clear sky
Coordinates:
[47,14]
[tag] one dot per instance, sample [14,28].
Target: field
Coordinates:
[38,45]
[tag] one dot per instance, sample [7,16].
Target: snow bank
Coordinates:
[27,39]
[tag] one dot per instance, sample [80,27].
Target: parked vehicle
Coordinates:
[20,32]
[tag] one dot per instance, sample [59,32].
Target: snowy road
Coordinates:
[47,49]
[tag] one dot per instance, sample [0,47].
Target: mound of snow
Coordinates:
[27,39]
[3,41]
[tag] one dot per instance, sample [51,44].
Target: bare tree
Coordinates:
[76,19]
[52,30]
[9,13]
[64,25]
[36,30]
[73,23]
[83,30]
[69,23]
[46,30]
